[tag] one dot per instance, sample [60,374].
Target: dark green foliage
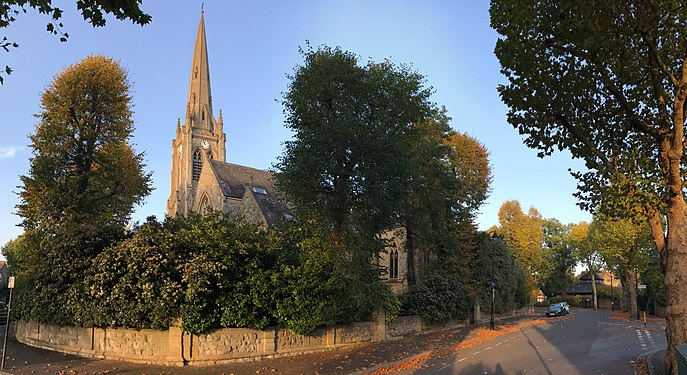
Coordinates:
[226,272]
[391,303]
[211,272]
[316,290]
[511,285]
[438,298]
[556,276]
[135,283]
[347,167]
[574,301]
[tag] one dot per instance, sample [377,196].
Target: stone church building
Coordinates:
[202,180]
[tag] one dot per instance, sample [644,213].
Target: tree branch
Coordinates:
[634,121]
[657,232]
[585,141]
[653,52]
[655,63]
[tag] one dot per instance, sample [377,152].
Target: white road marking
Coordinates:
[461,360]
[641,339]
[648,336]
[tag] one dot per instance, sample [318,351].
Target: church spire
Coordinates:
[199,97]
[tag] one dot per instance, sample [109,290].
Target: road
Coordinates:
[586,342]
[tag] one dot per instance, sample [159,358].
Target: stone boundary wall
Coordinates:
[173,347]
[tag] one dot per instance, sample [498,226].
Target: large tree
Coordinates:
[354,127]
[451,179]
[624,245]
[425,213]
[84,177]
[523,234]
[587,253]
[607,80]
[93,11]
[558,258]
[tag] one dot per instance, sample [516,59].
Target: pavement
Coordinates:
[654,362]
[24,359]
[654,358]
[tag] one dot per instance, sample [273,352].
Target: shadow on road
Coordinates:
[481,369]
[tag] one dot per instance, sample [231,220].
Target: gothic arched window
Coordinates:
[205,206]
[202,115]
[393,264]
[197,164]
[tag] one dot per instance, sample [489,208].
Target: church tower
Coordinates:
[201,137]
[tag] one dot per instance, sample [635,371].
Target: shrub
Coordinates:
[132,284]
[212,272]
[438,298]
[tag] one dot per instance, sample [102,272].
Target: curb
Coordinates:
[649,362]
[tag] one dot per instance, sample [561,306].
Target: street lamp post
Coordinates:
[493,290]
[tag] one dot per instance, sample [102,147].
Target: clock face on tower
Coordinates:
[205,144]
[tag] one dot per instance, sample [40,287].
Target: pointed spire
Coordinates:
[199,97]
[178,125]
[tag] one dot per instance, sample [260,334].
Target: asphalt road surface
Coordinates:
[586,342]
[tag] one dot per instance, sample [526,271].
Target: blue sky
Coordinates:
[252,46]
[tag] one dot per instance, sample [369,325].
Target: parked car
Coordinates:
[557,309]
[567,307]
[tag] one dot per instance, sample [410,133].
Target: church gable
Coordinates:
[271,206]
[209,195]
[260,201]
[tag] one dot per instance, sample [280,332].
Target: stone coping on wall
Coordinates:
[176,348]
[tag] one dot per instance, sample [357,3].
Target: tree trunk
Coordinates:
[477,312]
[596,304]
[632,288]
[676,281]
[410,255]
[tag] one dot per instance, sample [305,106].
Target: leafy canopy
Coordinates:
[353,126]
[83,182]
[607,81]
[523,234]
[84,174]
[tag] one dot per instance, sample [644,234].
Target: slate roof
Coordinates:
[582,287]
[584,284]
[237,180]
[586,276]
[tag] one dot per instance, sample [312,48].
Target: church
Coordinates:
[202,180]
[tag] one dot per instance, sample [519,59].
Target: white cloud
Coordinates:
[8,152]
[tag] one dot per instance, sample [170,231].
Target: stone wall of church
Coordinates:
[207,186]
[396,240]
[250,210]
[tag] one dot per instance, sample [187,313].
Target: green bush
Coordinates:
[438,298]
[391,304]
[135,283]
[211,272]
